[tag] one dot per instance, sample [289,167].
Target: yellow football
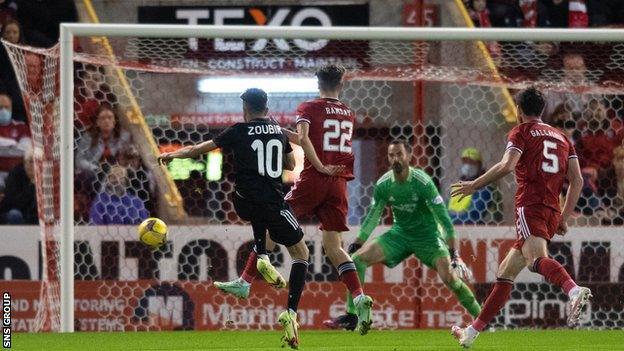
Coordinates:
[153,232]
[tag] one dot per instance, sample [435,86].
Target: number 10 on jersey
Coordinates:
[265,159]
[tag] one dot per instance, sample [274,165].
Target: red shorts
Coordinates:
[325,197]
[536,220]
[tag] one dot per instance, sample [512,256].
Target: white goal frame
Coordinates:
[70,30]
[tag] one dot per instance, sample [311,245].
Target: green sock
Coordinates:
[465,297]
[361,269]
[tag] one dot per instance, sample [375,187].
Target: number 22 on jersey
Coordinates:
[337,135]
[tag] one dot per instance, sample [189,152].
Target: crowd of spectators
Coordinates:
[594,123]
[597,134]
[114,187]
[112,184]
[546,13]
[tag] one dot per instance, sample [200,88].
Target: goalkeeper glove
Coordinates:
[458,265]
[353,248]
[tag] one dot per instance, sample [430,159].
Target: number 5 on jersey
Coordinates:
[553,165]
[334,138]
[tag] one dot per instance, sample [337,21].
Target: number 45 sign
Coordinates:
[418,14]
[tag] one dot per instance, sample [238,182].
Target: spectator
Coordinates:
[480,16]
[562,120]
[114,205]
[558,117]
[103,142]
[471,209]
[589,201]
[574,68]
[11,32]
[574,73]
[604,13]
[19,205]
[85,103]
[479,13]
[554,13]
[139,177]
[41,19]
[8,11]
[505,13]
[14,139]
[595,148]
[614,190]
[548,13]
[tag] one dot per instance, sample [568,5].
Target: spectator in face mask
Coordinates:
[14,139]
[471,209]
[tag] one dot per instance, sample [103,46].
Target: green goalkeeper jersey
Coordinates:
[418,210]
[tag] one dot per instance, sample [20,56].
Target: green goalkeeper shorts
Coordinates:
[397,246]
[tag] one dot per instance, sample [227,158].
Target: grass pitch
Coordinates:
[548,340]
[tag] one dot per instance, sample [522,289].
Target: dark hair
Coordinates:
[531,102]
[403,142]
[255,99]
[330,76]
[95,132]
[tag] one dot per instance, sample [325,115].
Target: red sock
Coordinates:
[494,302]
[554,273]
[348,275]
[250,272]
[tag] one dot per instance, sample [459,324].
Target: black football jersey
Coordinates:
[258,148]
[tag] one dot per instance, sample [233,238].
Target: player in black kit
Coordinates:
[260,153]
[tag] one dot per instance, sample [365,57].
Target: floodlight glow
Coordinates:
[228,85]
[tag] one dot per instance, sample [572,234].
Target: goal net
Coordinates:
[135,97]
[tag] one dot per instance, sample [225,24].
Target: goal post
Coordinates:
[409,35]
[67,178]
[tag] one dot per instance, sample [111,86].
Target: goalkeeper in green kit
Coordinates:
[418,213]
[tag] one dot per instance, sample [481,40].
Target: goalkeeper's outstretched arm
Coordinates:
[373,216]
[440,212]
[190,151]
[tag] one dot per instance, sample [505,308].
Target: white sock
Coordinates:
[575,290]
[264,257]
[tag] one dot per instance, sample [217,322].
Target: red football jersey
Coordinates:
[15,130]
[331,128]
[543,165]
